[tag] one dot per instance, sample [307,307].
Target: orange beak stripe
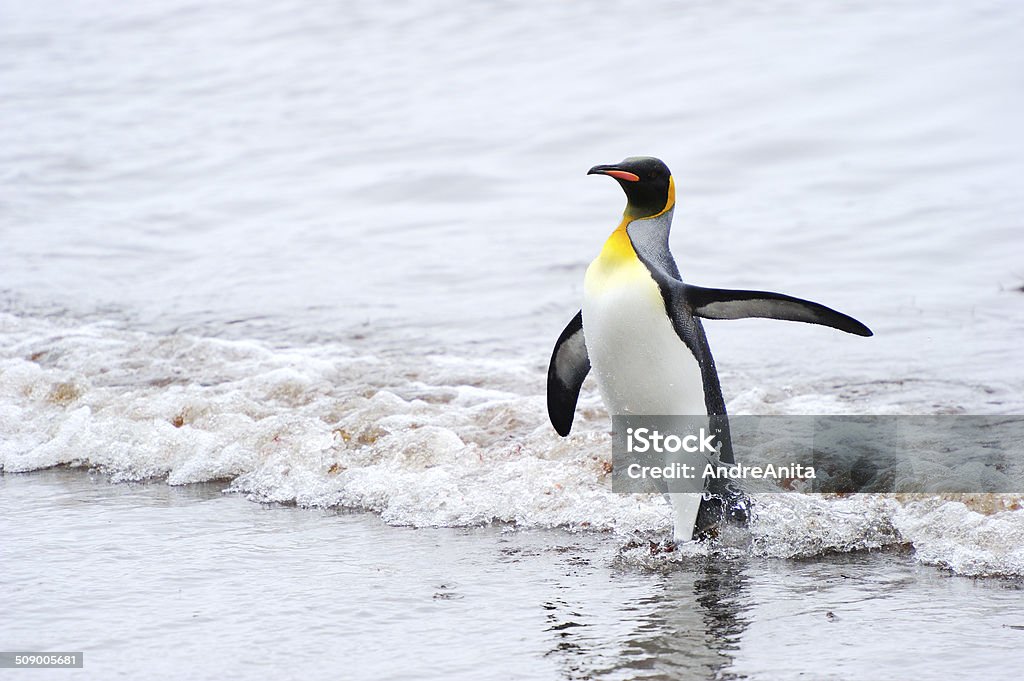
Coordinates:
[622,175]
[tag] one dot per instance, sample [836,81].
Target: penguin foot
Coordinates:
[717,510]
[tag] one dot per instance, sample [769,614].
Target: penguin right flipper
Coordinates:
[569,365]
[719,303]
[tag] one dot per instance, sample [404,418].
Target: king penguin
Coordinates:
[640,330]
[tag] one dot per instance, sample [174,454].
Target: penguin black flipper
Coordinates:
[720,303]
[569,365]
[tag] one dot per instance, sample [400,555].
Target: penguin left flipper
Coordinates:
[719,303]
[569,365]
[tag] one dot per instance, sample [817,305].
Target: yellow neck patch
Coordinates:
[616,266]
[618,246]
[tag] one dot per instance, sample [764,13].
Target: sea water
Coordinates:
[315,257]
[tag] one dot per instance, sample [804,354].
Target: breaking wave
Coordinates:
[429,441]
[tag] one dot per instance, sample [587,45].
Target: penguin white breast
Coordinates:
[641,364]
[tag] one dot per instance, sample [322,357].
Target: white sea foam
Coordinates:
[437,442]
[951,535]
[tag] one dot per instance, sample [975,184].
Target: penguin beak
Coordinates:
[613,171]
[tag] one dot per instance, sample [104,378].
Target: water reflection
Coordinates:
[687,624]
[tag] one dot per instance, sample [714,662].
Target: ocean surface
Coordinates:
[279,283]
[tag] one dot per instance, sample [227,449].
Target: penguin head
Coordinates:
[647,182]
